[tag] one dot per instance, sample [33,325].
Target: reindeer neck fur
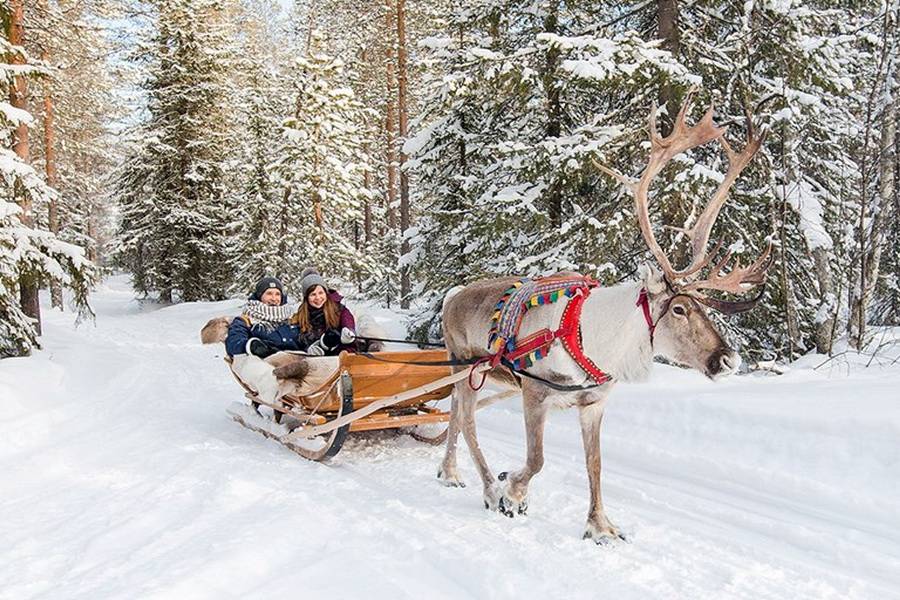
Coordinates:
[615,333]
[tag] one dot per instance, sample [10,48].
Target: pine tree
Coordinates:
[28,255]
[77,151]
[503,153]
[263,71]
[179,221]
[320,169]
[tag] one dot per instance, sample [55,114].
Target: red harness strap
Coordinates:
[570,333]
[644,302]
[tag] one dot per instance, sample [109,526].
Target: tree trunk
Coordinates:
[404,130]
[554,112]
[871,263]
[18,98]
[675,208]
[824,333]
[871,233]
[389,125]
[791,318]
[93,249]
[367,203]
[667,31]
[56,298]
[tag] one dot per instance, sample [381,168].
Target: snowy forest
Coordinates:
[408,147]
[514,217]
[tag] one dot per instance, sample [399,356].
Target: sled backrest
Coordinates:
[375,378]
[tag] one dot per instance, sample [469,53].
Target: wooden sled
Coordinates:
[364,394]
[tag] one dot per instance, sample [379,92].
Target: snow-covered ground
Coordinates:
[122,477]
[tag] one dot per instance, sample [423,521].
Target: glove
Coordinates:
[259,348]
[348,336]
[331,339]
[316,349]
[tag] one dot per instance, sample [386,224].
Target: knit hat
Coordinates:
[310,278]
[267,283]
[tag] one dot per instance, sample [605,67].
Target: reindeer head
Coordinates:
[684,332]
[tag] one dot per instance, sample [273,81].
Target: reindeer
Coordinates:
[616,333]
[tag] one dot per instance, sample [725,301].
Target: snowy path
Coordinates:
[122,477]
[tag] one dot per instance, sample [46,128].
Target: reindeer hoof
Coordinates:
[511,508]
[449,480]
[493,498]
[604,540]
[507,505]
[603,533]
[603,537]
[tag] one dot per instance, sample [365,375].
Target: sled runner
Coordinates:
[385,390]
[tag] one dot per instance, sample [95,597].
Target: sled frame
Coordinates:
[364,394]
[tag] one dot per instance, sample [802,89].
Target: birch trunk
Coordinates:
[872,251]
[871,238]
[824,327]
[389,125]
[403,131]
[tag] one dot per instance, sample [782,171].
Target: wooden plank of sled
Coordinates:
[374,379]
[381,420]
[306,432]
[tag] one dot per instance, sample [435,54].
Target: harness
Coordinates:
[517,354]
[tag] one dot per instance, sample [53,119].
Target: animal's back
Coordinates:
[467,315]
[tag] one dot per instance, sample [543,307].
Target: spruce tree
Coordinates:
[28,254]
[179,219]
[265,99]
[503,151]
[320,169]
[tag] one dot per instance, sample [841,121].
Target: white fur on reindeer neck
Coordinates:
[615,332]
[269,317]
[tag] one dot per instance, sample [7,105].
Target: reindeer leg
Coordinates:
[468,402]
[598,528]
[448,474]
[515,493]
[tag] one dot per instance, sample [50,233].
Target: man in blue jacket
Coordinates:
[262,329]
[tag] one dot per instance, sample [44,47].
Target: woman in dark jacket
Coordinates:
[326,326]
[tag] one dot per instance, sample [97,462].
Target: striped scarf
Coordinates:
[268,317]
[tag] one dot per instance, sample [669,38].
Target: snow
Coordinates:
[808,203]
[124,477]
[15,116]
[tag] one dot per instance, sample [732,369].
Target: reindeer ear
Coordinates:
[652,278]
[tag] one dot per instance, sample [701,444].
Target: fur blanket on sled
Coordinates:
[286,373]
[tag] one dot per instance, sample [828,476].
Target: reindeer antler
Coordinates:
[662,150]
[739,279]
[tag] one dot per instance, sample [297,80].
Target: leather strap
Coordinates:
[644,302]
[570,333]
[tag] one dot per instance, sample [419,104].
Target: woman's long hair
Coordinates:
[332,315]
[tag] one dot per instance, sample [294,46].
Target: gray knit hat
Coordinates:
[309,279]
